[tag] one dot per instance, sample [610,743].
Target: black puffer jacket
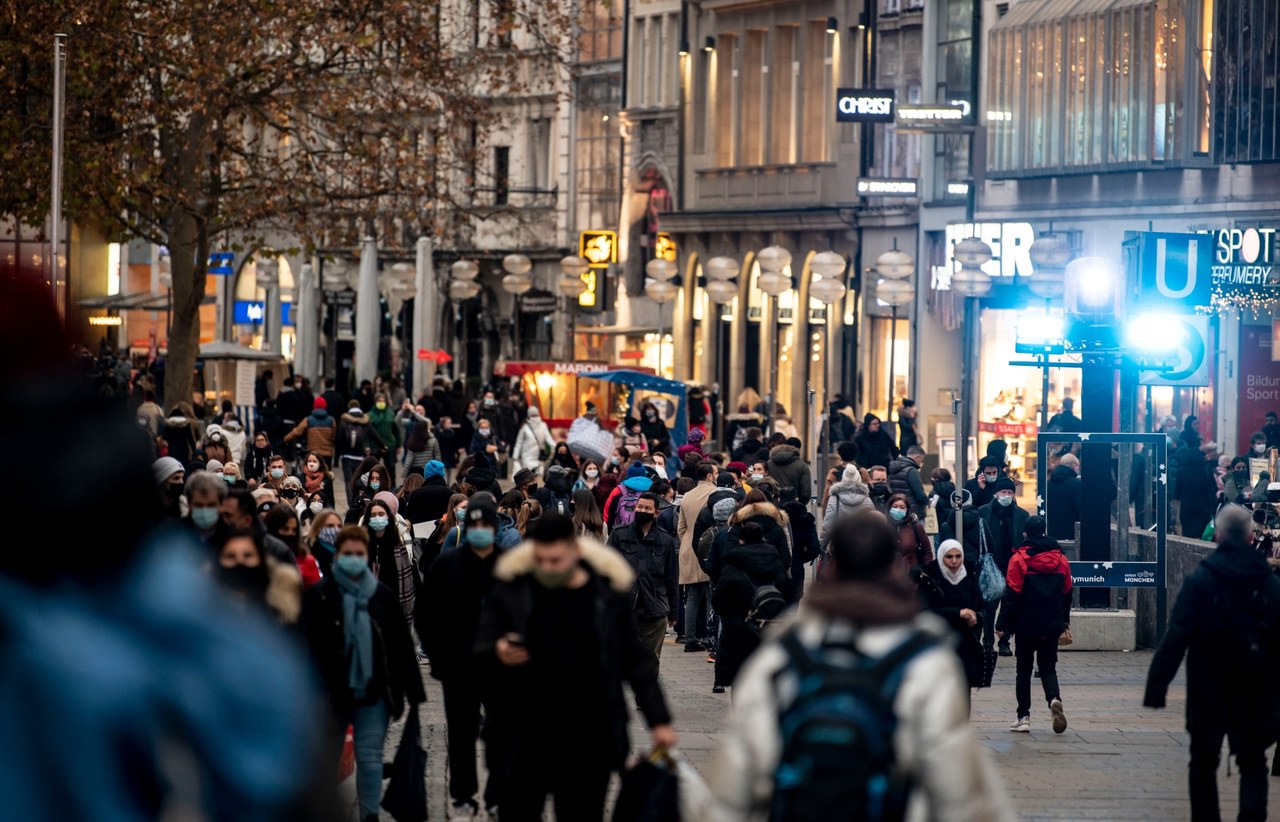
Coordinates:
[448,614]
[745,568]
[875,449]
[787,466]
[772,521]
[1063,499]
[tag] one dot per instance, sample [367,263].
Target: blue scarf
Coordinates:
[357,628]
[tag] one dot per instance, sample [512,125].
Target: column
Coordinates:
[368,312]
[426,315]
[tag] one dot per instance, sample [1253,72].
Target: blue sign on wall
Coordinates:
[1175,271]
[222,263]
[251,312]
[1093,574]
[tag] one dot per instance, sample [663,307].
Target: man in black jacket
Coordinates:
[1227,622]
[447,620]
[654,556]
[1063,498]
[981,485]
[429,502]
[904,478]
[561,624]
[1005,523]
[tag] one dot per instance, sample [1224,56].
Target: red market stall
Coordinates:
[557,391]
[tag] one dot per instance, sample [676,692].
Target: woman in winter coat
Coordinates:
[749,562]
[943,488]
[485,444]
[848,496]
[632,437]
[316,478]
[254,579]
[259,454]
[656,435]
[913,542]
[561,455]
[875,446]
[363,652]
[775,527]
[179,431]
[420,443]
[533,437]
[949,586]
[389,542]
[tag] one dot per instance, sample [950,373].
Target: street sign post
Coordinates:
[1175,271]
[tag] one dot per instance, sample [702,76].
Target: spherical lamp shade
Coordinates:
[516,283]
[463,289]
[720,268]
[773,283]
[970,282]
[827,264]
[574,266]
[1047,283]
[895,292]
[516,264]
[1049,251]
[403,272]
[826,291]
[972,252]
[268,273]
[722,291]
[895,265]
[660,291]
[774,258]
[571,287]
[335,276]
[464,270]
[660,269]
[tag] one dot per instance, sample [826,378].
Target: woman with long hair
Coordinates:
[283,524]
[448,531]
[322,538]
[530,510]
[317,478]
[389,550]
[586,515]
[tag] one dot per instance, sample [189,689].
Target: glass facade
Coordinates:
[597,148]
[1087,85]
[1246,120]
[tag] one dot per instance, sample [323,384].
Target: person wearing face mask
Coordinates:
[561,624]
[848,497]
[316,478]
[255,580]
[632,438]
[205,493]
[389,549]
[486,446]
[1235,485]
[756,474]
[384,434]
[1063,498]
[654,557]
[257,456]
[322,539]
[1005,523]
[314,504]
[453,594]
[949,586]
[275,475]
[981,485]
[431,499]
[878,488]
[656,434]
[232,476]
[589,478]
[283,524]
[170,477]
[533,442]
[363,653]
[914,547]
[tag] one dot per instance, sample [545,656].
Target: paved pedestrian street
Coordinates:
[1117,760]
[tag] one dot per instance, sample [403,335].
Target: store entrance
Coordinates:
[1010,398]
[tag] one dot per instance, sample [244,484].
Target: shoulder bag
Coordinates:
[990,580]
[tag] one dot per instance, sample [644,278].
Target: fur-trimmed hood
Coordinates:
[759,509]
[604,560]
[784,454]
[284,591]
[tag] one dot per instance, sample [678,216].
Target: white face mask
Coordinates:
[317,507]
[591,473]
[1260,448]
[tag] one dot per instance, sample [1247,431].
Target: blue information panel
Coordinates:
[1089,574]
[251,312]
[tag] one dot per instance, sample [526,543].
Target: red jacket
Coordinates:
[1037,597]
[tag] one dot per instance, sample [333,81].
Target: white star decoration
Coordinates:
[1084,437]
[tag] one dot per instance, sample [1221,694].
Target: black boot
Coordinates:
[1004,648]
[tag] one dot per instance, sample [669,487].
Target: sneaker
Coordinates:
[463,811]
[1004,649]
[1022,726]
[711,657]
[717,689]
[1059,716]
[694,646]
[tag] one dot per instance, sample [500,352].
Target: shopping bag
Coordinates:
[990,580]
[650,791]
[931,520]
[1065,638]
[989,658]
[347,762]
[406,796]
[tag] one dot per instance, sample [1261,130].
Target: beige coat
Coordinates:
[690,506]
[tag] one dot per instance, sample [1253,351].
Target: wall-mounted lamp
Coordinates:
[832,25]
[684,48]
[862,20]
[709,45]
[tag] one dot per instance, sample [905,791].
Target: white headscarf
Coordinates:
[954,577]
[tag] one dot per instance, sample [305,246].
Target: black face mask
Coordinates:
[880,488]
[241,579]
[643,518]
[1241,474]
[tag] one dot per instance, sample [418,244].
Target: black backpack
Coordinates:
[705,542]
[838,759]
[767,605]
[560,503]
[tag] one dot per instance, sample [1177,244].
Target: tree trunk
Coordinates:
[188,268]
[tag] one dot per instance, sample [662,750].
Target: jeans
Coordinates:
[1028,651]
[462,702]
[652,632]
[695,598]
[1206,748]
[370,735]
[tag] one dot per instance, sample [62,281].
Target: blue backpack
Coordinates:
[838,760]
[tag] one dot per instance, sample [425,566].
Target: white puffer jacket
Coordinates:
[533,435]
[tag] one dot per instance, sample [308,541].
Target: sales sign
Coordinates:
[857,105]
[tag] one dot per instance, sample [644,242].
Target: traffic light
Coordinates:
[1093,300]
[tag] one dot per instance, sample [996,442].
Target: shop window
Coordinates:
[890,351]
[1245,77]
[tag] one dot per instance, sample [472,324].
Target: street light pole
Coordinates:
[773,260]
[516,282]
[969,281]
[720,272]
[660,290]
[55,200]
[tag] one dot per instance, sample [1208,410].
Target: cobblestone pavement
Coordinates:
[1117,760]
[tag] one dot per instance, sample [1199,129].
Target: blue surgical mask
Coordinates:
[351,565]
[898,514]
[378,524]
[459,513]
[204,518]
[230,480]
[479,537]
[1004,500]
[375,484]
[277,473]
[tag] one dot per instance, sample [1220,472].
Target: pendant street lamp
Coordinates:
[969,281]
[895,289]
[721,288]
[659,289]
[1049,257]
[516,282]
[462,287]
[571,286]
[773,260]
[828,290]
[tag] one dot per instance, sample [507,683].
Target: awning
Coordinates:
[1041,11]
[518,368]
[678,391]
[222,350]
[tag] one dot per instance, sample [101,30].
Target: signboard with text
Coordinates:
[888,187]
[1175,271]
[1191,368]
[1259,382]
[861,105]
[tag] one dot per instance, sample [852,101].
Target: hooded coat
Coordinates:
[955,779]
[1063,499]
[656,434]
[743,569]
[1037,598]
[1219,695]
[509,609]
[787,466]
[947,600]
[530,440]
[848,497]
[179,431]
[353,435]
[236,437]
[775,525]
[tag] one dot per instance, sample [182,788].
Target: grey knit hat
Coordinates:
[724,509]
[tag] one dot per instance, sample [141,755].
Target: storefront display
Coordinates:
[560,390]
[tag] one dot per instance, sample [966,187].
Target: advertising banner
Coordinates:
[1259,386]
[1089,574]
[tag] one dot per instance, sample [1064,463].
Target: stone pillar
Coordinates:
[368,312]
